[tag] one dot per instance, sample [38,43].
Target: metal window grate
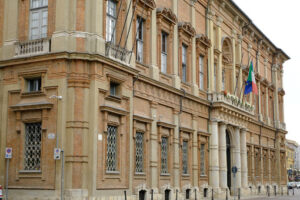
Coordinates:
[164,155]
[185,157]
[139,154]
[111,162]
[33,140]
[202,159]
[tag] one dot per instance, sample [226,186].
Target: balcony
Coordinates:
[117,52]
[32,47]
[232,101]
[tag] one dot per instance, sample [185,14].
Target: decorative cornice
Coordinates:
[32,106]
[165,124]
[187,28]
[148,3]
[114,110]
[204,40]
[167,14]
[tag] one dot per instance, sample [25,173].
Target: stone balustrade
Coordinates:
[32,47]
[233,101]
[117,53]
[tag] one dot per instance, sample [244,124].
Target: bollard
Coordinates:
[268,191]
[195,194]
[239,193]
[212,194]
[176,194]
[151,194]
[281,191]
[275,191]
[287,191]
[293,192]
[125,194]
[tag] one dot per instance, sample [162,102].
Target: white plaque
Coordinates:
[100,137]
[51,136]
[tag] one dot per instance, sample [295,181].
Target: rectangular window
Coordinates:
[184,62]
[164,155]
[202,159]
[164,54]
[201,73]
[140,39]
[185,157]
[139,152]
[32,149]
[38,19]
[111,158]
[111,20]
[114,87]
[34,84]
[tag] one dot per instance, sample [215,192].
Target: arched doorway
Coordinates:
[228,157]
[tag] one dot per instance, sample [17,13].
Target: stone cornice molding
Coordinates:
[142,118]
[167,14]
[186,129]
[204,40]
[166,124]
[187,28]
[32,106]
[114,110]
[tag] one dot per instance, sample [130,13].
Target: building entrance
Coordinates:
[228,156]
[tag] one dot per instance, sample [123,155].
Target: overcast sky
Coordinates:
[280,21]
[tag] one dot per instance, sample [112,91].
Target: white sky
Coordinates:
[279,20]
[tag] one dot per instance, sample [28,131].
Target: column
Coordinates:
[214,155]
[267,104]
[276,107]
[176,78]
[260,116]
[244,166]
[219,47]
[237,156]
[233,83]
[223,156]
[195,152]
[269,166]
[176,150]
[194,65]
[154,70]
[211,85]
[153,149]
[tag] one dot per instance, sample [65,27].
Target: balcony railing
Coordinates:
[117,52]
[233,101]
[32,47]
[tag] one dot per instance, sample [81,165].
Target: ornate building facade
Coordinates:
[142,96]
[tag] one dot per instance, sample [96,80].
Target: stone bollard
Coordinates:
[212,194]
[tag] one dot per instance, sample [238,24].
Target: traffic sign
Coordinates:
[57,153]
[8,153]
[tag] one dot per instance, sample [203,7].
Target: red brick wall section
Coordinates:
[23,21]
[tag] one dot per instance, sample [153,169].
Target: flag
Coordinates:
[250,84]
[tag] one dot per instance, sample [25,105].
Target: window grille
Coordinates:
[33,141]
[34,85]
[164,54]
[184,62]
[164,155]
[111,162]
[140,39]
[202,159]
[201,72]
[185,157]
[111,19]
[139,154]
[38,19]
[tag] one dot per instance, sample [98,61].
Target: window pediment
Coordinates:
[167,14]
[187,28]
[32,106]
[203,40]
[150,4]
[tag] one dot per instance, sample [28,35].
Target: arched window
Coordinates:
[142,195]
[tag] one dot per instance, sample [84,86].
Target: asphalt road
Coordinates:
[296,196]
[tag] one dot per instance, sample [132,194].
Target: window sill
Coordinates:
[185,175]
[165,174]
[113,172]
[140,174]
[30,171]
[33,94]
[113,98]
[203,176]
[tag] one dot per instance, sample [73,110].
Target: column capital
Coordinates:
[222,123]
[219,21]
[240,38]
[233,34]
[249,47]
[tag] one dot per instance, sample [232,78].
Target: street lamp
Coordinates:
[60,151]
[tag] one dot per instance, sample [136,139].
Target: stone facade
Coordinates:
[171,123]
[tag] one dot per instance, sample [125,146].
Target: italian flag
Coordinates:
[250,84]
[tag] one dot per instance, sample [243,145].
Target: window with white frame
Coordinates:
[111,20]
[164,37]
[184,63]
[164,155]
[140,39]
[201,73]
[32,148]
[38,19]
[202,159]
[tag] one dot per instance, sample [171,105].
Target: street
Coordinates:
[296,196]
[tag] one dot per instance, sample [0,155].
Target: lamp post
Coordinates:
[61,150]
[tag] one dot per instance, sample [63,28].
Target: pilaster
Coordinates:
[219,47]
[233,83]
[244,166]
[211,84]
[237,156]
[153,148]
[154,68]
[267,103]
[195,154]
[176,78]
[176,150]
[239,57]
[194,71]
[276,105]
